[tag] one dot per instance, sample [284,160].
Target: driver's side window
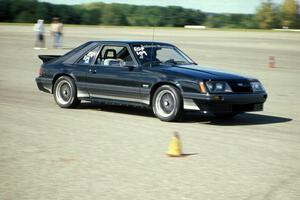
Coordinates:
[114,56]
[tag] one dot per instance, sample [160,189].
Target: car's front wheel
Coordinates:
[167,103]
[65,93]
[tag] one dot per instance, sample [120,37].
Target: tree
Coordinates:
[23,10]
[268,15]
[289,13]
[90,16]
[5,14]
[231,21]
[113,15]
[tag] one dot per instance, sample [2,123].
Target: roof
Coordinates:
[132,42]
[71,56]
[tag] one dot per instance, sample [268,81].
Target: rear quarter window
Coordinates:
[89,57]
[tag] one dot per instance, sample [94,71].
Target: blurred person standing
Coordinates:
[39,31]
[56,31]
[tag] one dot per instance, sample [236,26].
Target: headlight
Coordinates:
[218,86]
[257,86]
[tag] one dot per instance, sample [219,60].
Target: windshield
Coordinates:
[155,54]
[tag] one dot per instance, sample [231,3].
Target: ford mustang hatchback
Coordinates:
[149,74]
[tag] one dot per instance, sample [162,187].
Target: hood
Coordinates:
[199,72]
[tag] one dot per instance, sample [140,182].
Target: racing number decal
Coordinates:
[140,51]
[89,56]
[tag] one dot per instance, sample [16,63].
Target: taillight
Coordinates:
[41,73]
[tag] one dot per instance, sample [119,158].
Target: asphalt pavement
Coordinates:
[113,152]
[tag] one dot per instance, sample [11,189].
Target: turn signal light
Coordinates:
[202,87]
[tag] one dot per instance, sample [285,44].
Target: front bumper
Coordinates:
[44,84]
[225,103]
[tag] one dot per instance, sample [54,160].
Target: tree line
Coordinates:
[99,13]
[268,15]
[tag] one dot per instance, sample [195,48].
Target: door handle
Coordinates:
[93,71]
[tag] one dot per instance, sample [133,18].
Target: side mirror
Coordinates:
[130,65]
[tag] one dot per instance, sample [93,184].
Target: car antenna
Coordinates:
[151,54]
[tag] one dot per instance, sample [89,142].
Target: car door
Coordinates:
[115,74]
[81,68]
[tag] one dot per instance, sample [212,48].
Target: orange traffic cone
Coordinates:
[174,149]
[272,62]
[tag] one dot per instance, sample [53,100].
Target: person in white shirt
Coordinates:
[39,32]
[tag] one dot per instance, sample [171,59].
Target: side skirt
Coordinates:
[116,102]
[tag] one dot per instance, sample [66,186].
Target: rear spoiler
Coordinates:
[46,58]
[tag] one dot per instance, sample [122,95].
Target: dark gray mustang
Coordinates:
[150,74]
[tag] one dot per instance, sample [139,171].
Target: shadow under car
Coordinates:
[192,116]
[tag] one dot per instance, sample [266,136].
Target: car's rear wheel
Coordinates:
[167,103]
[65,93]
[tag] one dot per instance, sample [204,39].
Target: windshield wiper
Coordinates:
[174,62]
[170,62]
[184,63]
[181,62]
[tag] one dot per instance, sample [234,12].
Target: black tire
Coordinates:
[225,115]
[167,103]
[65,92]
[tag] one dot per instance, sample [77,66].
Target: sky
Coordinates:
[216,6]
